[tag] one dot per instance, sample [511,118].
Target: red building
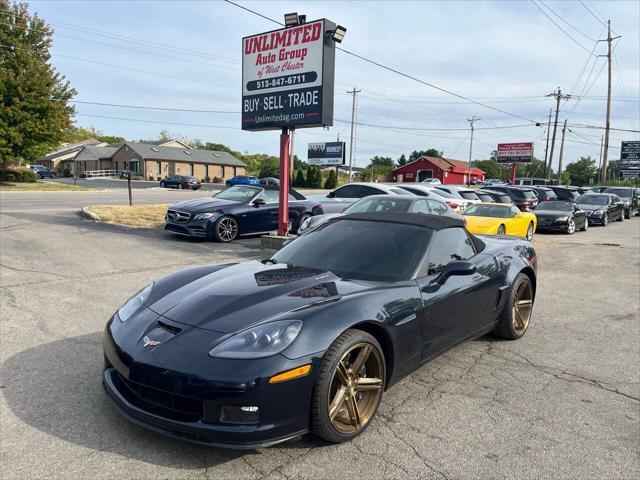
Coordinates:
[448,171]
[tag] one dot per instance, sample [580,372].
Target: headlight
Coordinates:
[134,303]
[202,216]
[562,219]
[260,341]
[598,213]
[305,224]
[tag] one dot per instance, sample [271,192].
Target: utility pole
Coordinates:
[546,149]
[600,160]
[558,95]
[564,129]
[605,157]
[472,120]
[353,92]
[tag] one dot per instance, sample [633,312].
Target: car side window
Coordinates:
[419,206]
[514,211]
[348,191]
[270,196]
[436,207]
[365,191]
[448,245]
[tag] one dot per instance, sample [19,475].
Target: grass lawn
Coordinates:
[146,216]
[40,187]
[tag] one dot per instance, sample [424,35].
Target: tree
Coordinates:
[582,172]
[332,181]
[491,169]
[33,97]
[298,179]
[431,152]
[402,160]
[381,166]
[75,134]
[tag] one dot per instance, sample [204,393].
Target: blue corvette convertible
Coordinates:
[237,211]
[242,180]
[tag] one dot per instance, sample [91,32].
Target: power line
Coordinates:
[139,120]
[397,72]
[561,29]
[567,23]
[144,107]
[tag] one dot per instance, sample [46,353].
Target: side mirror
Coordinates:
[331,195]
[258,201]
[455,267]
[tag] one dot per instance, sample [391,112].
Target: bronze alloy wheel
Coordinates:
[522,306]
[356,388]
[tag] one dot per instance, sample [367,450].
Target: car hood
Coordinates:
[592,208]
[483,223]
[551,213]
[320,219]
[206,204]
[240,295]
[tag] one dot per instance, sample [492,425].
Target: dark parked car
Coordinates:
[630,197]
[565,193]
[498,197]
[43,172]
[237,211]
[385,204]
[180,182]
[602,207]
[544,194]
[486,197]
[270,181]
[242,180]
[524,198]
[562,216]
[340,198]
[251,354]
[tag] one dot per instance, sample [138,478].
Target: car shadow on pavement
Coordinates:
[56,388]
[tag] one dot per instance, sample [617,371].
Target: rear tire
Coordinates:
[605,220]
[161,184]
[571,226]
[621,219]
[516,313]
[354,365]
[529,234]
[586,225]
[180,187]
[225,229]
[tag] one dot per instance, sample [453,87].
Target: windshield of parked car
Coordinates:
[442,193]
[564,206]
[468,195]
[594,200]
[497,211]
[360,250]
[621,192]
[387,204]
[238,194]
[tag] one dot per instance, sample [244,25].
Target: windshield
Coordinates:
[360,250]
[497,211]
[564,206]
[238,194]
[594,200]
[387,204]
[621,192]
[468,195]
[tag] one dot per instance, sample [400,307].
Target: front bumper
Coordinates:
[552,225]
[189,403]
[194,231]
[595,219]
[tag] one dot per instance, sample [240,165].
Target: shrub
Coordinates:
[332,181]
[216,180]
[66,173]
[158,178]
[24,175]
[151,178]
[7,175]
[298,180]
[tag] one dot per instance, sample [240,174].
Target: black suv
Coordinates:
[569,194]
[544,193]
[43,172]
[630,196]
[497,197]
[523,197]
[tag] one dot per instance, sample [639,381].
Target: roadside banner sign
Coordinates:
[630,159]
[515,152]
[326,153]
[288,77]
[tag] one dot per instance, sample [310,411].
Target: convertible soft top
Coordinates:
[434,222]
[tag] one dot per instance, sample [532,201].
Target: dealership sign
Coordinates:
[287,77]
[515,152]
[327,153]
[630,159]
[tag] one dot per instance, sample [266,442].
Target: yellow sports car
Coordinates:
[500,219]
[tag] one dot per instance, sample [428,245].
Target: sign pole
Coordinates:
[283,211]
[513,173]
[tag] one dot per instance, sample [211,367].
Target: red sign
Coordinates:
[515,152]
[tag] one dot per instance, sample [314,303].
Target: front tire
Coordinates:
[349,387]
[180,187]
[225,229]
[571,226]
[621,219]
[516,314]
[586,225]
[161,184]
[605,220]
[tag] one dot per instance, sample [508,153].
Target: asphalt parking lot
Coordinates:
[562,402]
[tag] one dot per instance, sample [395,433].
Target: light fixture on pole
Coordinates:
[292,19]
[338,34]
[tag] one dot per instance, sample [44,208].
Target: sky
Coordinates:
[505,54]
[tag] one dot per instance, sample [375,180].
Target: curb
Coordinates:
[89,215]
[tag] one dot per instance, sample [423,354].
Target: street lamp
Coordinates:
[338,34]
[292,19]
